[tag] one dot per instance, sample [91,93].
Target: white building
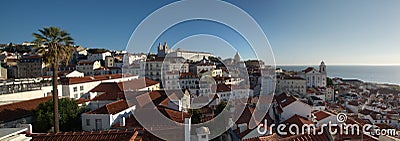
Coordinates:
[88,67]
[98,56]
[292,84]
[75,87]
[315,78]
[287,106]
[106,116]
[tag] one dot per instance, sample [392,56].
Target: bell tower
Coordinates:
[322,67]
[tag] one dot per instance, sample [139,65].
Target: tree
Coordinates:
[329,81]
[70,114]
[196,115]
[220,107]
[54,45]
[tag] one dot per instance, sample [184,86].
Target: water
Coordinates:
[379,74]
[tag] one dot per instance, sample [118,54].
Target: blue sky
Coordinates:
[300,32]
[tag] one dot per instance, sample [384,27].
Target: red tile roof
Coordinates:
[77,80]
[18,110]
[298,120]
[111,108]
[319,115]
[117,135]
[284,99]
[115,91]
[223,88]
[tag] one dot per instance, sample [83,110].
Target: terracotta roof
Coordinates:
[384,126]
[85,62]
[319,115]
[111,108]
[77,80]
[115,90]
[173,114]
[309,137]
[223,88]
[87,136]
[308,69]
[298,120]
[284,99]
[136,84]
[18,110]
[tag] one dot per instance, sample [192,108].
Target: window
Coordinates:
[87,122]
[75,89]
[204,136]
[98,124]
[81,88]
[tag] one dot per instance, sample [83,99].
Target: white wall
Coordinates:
[296,107]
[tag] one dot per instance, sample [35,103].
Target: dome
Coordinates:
[203,130]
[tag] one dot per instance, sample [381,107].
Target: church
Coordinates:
[314,77]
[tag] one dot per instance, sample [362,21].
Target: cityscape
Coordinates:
[55,88]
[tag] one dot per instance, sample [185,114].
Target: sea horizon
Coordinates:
[380,74]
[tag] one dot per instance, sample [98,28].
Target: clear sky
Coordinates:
[300,32]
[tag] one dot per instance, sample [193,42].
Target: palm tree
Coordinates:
[54,45]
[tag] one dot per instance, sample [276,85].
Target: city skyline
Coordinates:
[300,33]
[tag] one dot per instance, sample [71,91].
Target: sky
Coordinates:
[340,32]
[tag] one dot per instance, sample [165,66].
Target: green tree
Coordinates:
[220,107]
[54,45]
[196,115]
[70,116]
[329,81]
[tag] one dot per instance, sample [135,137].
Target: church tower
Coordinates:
[322,67]
[162,50]
[236,58]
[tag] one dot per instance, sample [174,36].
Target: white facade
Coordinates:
[98,56]
[91,122]
[315,78]
[292,85]
[76,90]
[75,74]
[297,107]
[190,55]
[88,67]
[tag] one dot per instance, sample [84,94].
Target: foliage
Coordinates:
[69,113]
[54,44]
[196,115]
[17,48]
[97,50]
[220,107]
[329,81]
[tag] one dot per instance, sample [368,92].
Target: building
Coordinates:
[88,67]
[75,87]
[314,77]
[109,61]
[154,67]
[104,117]
[30,67]
[98,56]
[163,51]
[291,84]
[287,106]
[3,73]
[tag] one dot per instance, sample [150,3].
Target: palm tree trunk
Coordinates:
[55,96]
